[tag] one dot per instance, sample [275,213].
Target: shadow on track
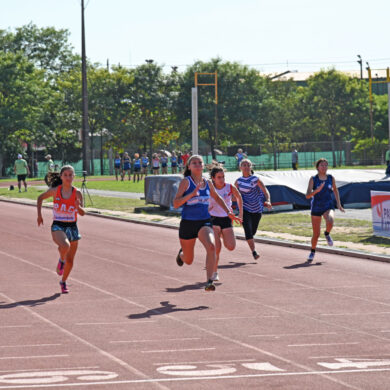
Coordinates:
[302,265]
[165,308]
[186,287]
[31,303]
[233,264]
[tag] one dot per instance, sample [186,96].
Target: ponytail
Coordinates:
[54,179]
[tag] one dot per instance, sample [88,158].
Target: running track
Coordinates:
[135,320]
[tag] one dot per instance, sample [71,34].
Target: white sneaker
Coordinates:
[215,277]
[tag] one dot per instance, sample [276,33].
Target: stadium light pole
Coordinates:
[85,127]
[360,62]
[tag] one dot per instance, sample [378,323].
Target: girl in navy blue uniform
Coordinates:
[194,194]
[117,165]
[174,162]
[321,188]
[137,167]
[126,166]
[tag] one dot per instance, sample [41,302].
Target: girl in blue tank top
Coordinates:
[193,196]
[321,189]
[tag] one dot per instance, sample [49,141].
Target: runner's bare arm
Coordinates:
[49,193]
[238,197]
[79,202]
[179,198]
[263,188]
[337,195]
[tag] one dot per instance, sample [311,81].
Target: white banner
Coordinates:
[380,206]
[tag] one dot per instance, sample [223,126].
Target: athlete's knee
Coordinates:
[230,246]
[210,247]
[64,245]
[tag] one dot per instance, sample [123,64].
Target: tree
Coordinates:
[338,105]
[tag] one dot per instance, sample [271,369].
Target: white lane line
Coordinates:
[31,357]
[324,344]
[375,357]
[291,334]
[236,318]
[205,362]
[355,314]
[153,341]
[52,369]
[182,321]
[102,352]
[113,323]
[385,331]
[14,326]
[197,378]
[179,350]
[30,345]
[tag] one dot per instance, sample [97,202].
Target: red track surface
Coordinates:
[135,320]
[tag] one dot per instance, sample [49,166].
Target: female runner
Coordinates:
[253,192]
[222,224]
[194,194]
[67,201]
[320,189]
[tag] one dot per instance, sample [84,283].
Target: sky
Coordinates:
[269,35]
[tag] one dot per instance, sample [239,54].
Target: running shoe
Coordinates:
[210,286]
[215,277]
[179,261]
[64,288]
[60,267]
[310,257]
[329,239]
[255,255]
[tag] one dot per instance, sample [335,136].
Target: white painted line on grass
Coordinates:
[153,341]
[322,345]
[31,357]
[179,350]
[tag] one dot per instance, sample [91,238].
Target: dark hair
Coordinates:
[187,171]
[246,160]
[319,161]
[54,178]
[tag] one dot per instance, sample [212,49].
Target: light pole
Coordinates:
[360,62]
[85,127]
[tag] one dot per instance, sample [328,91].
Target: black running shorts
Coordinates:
[222,222]
[190,229]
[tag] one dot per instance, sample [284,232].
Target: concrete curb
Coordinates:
[269,241]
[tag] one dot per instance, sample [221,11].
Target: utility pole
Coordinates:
[360,62]
[85,127]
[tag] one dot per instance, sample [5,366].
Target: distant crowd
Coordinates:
[139,166]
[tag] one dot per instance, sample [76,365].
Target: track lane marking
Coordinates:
[154,341]
[32,357]
[179,350]
[192,325]
[323,344]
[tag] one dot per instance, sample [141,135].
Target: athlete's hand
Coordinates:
[234,218]
[268,205]
[40,220]
[320,187]
[196,191]
[341,208]
[77,203]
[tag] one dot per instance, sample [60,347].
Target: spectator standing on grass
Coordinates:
[180,162]
[254,197]
[21,171]
[387,158]
[144,165]
[294,159]
[240,155]
[137,167]
[117,166]
[35,168]
[126,166]
[155,164]
[49,167]
[164,164]
[320,190]
[174,162]
[185,158]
